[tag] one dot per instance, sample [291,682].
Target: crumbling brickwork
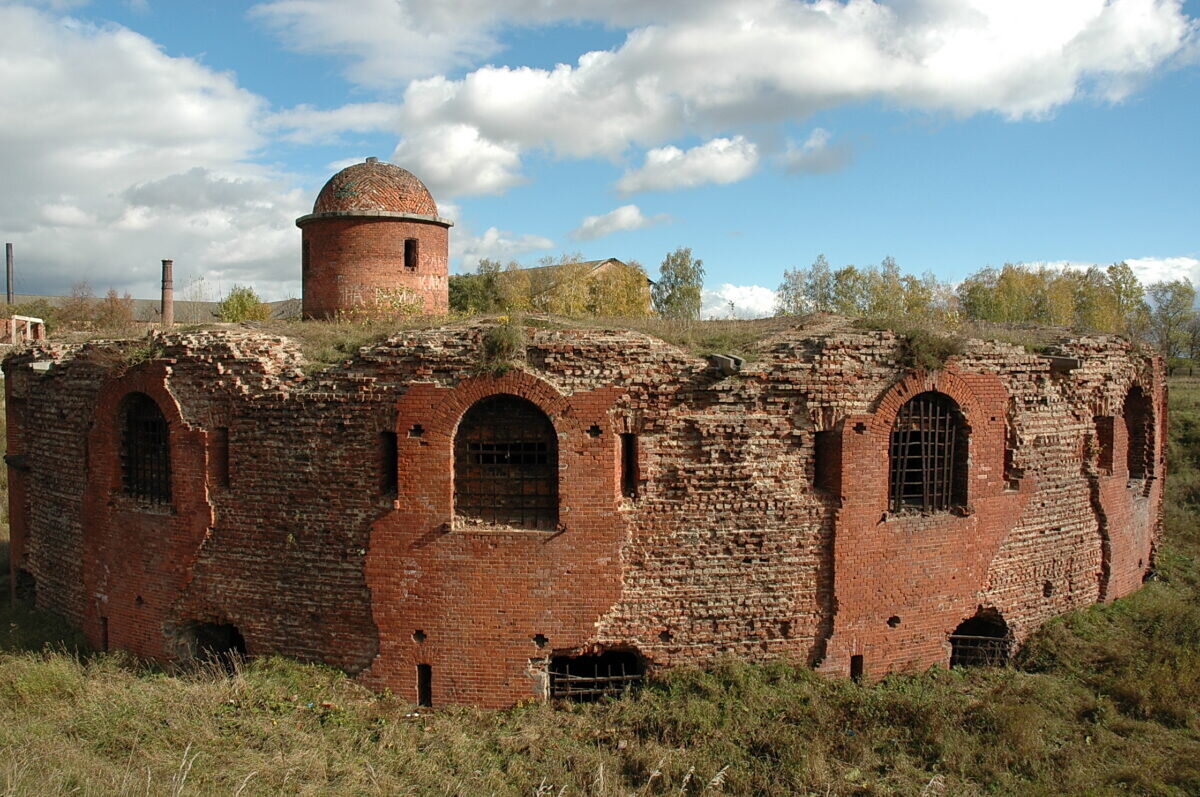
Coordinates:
[315,513]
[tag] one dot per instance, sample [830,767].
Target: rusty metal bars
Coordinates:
[506,465]
[145,451]
[967,650]
[924,456]
[599,680]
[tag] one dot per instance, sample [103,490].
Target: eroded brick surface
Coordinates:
[740,540]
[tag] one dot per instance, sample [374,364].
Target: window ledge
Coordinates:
[494,529]
[126,503]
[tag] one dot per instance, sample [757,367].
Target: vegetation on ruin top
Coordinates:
[1102,701]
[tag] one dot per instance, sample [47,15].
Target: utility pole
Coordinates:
[8,259]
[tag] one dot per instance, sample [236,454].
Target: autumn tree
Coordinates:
[1172,308]
[114,312]
[678,290]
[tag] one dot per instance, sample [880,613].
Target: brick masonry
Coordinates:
[353,244]
[742,540]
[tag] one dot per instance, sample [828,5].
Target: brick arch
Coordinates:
[452,582]
[139,557]
[946,382]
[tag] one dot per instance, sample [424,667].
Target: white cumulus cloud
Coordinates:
[125,156]
[709,68]
[626,217]
[455,160]
[818,154]
[720,161]
[496,244]
[1165,269]
[737,301]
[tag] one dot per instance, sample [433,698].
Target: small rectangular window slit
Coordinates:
[629,465]
[388,451]
[425,685]
[856,668]
[826,466]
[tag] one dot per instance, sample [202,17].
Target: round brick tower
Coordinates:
[374,234]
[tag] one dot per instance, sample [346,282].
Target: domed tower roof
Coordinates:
[375,185]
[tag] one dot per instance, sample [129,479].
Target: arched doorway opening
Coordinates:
[981,641]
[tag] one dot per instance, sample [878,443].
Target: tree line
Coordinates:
[564,285]
[1108,300]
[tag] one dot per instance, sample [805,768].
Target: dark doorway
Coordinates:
[981,641]
[586,679]
[219,642]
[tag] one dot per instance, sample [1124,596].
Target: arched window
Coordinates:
[145,450]
[1138,431]
[928,455]
[506,464]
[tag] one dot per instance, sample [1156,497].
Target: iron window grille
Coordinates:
[967,650]
[586,679]
[928,455]
[506,465]
[145,450]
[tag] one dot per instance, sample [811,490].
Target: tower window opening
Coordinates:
[928,455]
[410,254]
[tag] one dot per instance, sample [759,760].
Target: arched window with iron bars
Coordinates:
[928,455]
[506,464]
[145,450]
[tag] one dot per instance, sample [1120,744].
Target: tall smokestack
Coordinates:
[168,294]
[8,259]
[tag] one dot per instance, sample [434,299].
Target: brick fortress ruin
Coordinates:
[608,505]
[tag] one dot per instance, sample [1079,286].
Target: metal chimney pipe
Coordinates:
[168,294]
[8,259]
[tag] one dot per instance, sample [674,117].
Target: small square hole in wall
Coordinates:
[664,636]
[1047,589]
[540,640]
[860,427]
[418,636]
[594,430]
[417,430]
[893,621]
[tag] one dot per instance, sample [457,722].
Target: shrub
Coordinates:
[502,344]
[242,304]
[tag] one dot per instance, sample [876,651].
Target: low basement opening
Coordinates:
[586,679]
[218,642]
[981,641]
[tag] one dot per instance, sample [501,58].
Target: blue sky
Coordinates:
[949,134]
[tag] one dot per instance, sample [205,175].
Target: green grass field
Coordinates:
[1104,701]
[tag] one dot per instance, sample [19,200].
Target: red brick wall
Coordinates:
[138,557]
[734,544]
[349,259]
